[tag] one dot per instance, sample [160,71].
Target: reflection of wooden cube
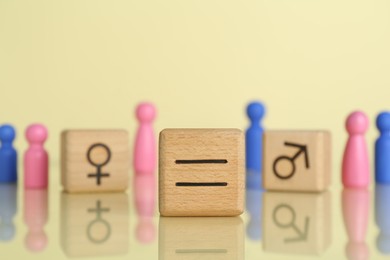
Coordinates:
[297,222]
[297,160]
[201,172]
[95,160]
[94,224]
[211,238]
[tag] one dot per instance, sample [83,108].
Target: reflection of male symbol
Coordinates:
[291,160]
[277,216]
[98,210]
[94,161]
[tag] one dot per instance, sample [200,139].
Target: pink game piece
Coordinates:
[356,172]
[145,144]
[36,158]
[35,217]
[145,201]
[356,204]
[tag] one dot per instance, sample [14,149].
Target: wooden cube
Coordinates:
[95,160]
[297,223]
[297,160]
[201,238]
[201,172]
[94,224]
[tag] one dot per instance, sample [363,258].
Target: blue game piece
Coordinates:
[8,208]
[8,155]
[382,149]
[382,219]
[254,138]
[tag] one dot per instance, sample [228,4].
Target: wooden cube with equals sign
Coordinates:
[201,172]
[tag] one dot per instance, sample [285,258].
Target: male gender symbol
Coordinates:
[290,160]
[98,175]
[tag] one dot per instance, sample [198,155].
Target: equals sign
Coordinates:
[201,251]
[202,184]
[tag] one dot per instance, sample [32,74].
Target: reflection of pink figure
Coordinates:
[145,144]
[145,201]
[145,231]
[355,203]
[356,169]
[35,216]
[36,158]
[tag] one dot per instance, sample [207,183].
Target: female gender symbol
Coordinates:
[98,165]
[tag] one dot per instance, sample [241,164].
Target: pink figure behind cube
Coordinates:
[36,158]
[145,153]
[356,168]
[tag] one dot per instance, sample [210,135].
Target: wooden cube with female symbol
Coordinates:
[94,160]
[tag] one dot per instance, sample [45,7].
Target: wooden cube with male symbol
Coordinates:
[297,160]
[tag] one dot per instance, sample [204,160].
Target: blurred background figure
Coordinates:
[36,158]
[145,149]
[254,143]
[8,155]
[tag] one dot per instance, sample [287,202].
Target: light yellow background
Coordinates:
[86,64]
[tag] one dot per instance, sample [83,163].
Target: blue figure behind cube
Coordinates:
[254,144]
[382,149]
[8,155]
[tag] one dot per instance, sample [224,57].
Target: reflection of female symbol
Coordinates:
[290,160]
[94,155]
[99,221]
[280,219]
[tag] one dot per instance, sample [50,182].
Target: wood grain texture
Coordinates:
[86,233]
[75,166]
[314,177]
[193,238]
[297,223]
[201,144]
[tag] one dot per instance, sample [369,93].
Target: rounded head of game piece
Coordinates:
[7,133]
[255,111]
[36,242]
[36,134]
[383,122]
[145,112]
[357,123]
